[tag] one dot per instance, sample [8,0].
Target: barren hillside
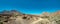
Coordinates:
[15,17]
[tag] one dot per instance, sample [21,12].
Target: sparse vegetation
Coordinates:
[46,19]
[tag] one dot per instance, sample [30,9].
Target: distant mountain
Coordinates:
[55,13]
[44,14]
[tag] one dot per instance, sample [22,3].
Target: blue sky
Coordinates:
[30,6]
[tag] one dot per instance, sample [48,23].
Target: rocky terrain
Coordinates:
[15,17]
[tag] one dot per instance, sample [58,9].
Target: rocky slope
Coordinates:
[15,17]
